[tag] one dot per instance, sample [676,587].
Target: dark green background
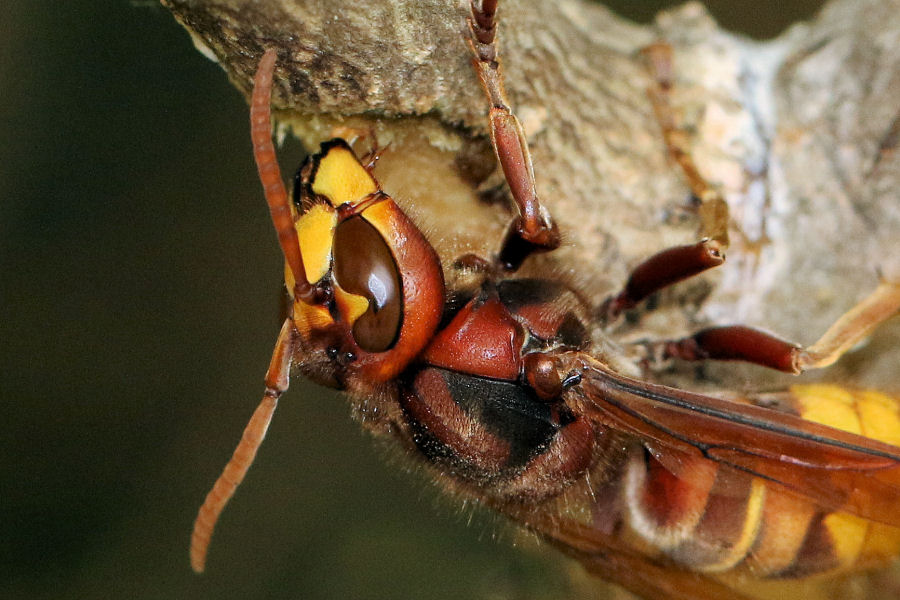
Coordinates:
[139,285]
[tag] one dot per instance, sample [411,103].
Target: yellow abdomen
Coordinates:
[717,520]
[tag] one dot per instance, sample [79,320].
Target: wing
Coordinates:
[639,574]
[701,451]
[607,557]
[611,559]
[837,470]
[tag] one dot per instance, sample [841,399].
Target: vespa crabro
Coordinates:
[504,387]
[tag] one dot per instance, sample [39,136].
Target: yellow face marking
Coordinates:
[316,232]
[350,306]
[341,178]
[829,405]
[311,317]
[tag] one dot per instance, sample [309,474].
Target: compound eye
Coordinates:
[364,265]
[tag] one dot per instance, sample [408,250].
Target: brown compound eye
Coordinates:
[364,265]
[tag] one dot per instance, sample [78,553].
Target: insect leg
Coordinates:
[607,556]
[662,270]
[853,327]
[352,134]
[675,264]
[732,342]
[713,210]
[277,379]
[736,342]
[533,230]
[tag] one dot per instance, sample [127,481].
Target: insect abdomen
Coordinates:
[713,519]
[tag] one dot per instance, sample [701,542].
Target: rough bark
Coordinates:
[799,133]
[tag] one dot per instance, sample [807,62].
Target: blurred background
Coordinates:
[139,302]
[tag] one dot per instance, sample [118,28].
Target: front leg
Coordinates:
[533,230]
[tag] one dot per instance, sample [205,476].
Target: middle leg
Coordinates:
[681,262]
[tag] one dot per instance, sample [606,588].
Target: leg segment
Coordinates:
[745,344]
[662,270]
[853,327]
[236,469]
[713,210]
[679,263]
[352,134]
[733,342]
[533,230]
